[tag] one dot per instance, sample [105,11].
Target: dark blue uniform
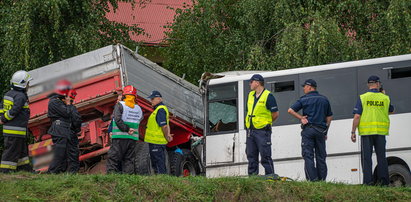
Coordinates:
[367,144]
[316,107]
[259,141]
[157,151]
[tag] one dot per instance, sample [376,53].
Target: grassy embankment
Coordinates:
[24,186]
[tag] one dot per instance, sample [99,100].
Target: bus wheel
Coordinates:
[399,175]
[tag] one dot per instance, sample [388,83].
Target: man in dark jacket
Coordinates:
[73,163]
[60,113]
[14,115]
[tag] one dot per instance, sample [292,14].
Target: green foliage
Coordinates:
[229,35]
[35,33]
[24,187]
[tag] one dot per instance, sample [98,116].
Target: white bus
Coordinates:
[342,83]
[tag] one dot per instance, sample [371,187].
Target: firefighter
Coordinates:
[73,163]
[262,111]
[158,133]
[127,117]
[316,119]
[373,123]
[14,115]
[60,113]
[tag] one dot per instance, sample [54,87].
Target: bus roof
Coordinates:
[317,68]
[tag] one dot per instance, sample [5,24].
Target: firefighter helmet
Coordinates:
[20,79]
[62,87]
[130,90]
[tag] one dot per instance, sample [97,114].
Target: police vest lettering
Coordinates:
[259,115]
[131,117]
[154,133]
[374,118]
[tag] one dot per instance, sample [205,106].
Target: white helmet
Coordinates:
[20,79]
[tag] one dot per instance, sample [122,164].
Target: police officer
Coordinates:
[60,113]
[316,119]
[127,117]
[371,119]
[73,163]
[15,114]
[158,133]
[262,111]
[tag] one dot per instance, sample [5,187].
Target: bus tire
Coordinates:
[182,164]
[399,175]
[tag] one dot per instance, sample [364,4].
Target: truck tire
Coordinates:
[399,175]
[142,160]
[182,164]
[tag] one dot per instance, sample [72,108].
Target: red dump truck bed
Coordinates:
[99,77]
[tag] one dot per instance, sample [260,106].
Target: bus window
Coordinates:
[403,72]
[282,86]
[222,108]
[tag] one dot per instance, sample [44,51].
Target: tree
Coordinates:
[34,33]
[228,35]
[39,32]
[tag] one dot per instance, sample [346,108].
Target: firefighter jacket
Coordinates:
[15,113]
[75,120]
[60,115]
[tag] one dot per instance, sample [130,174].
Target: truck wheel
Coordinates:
[182,164]
[142,160]
[399,175]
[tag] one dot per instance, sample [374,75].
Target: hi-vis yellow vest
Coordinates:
[374,118]
[259,114]
[154,133]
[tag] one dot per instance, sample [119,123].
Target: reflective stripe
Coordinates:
[8,102]
[8,116]
[8,98]
[8,165]
[23,161]
[14,132]
[375,123]
[14,128]
[26,105]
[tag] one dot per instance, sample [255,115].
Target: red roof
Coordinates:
[152,17]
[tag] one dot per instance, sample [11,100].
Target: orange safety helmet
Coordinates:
[130,90]
[72,94]
[62,87]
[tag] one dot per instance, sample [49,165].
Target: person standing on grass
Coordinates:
[315,121]
[373,123]
[158,133]
[262,111]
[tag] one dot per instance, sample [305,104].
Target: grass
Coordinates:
[25,186]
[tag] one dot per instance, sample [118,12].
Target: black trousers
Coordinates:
[15,155]
[121,156]
[259,143]
[158,158]
[73,163]
[313,145]
[378,142]
[59,162]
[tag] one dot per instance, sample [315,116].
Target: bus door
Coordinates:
[222,124]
